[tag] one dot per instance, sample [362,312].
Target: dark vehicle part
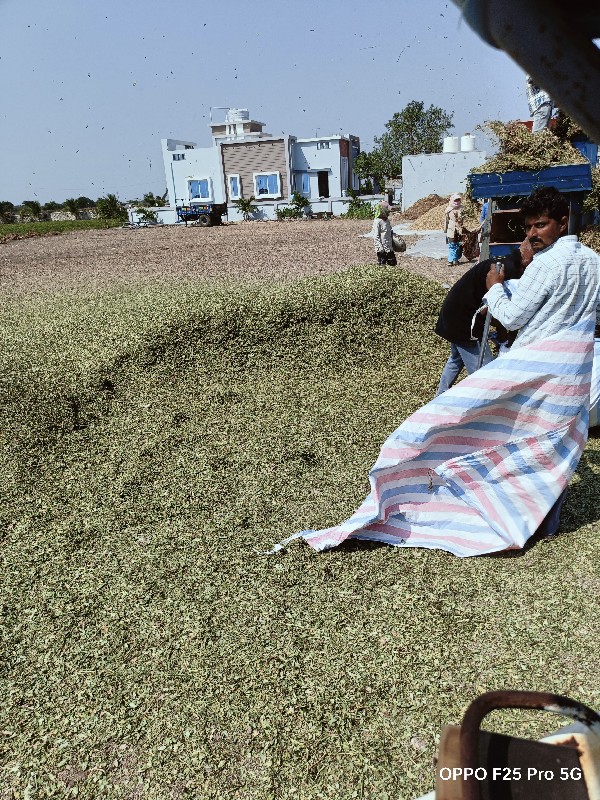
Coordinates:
[478,765]
[204,214]
[553,42]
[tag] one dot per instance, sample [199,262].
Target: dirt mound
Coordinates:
[422,206]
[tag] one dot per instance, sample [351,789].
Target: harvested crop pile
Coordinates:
[157,435]
[591,238]
[431,220]
[519,149]
[592,200]
[422,206]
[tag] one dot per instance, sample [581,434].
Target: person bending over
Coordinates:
[461,325]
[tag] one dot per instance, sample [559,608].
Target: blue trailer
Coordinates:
[503,229]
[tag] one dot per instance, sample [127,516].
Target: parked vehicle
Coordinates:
[203,214]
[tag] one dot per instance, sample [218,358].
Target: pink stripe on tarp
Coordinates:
[497,413]
[439,508]
[480,494]
[389,530]
[551,468]
[388,451]
[530,503]
[558,346]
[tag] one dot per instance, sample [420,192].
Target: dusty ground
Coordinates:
[286,250]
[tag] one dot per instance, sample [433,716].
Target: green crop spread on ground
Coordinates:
[154,438]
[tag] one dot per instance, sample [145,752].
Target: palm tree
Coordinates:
[51,205]
[7,211]
[31,210]
[110,207]
[72,206]
[244,204]
[151,199]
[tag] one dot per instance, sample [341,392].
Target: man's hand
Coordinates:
[494,277]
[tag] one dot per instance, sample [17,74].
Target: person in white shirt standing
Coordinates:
[561,286]
[540,106]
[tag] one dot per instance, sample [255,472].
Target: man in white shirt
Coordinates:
[562,284]
[559,288]
[540,105]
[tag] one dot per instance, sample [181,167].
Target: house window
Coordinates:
[200,189]
[178,156]
[189,146]
[267,184]
[235,187]
[304,183]
[322,145]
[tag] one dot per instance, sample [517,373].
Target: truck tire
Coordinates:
[204,220]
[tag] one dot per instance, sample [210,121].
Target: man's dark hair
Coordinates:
[548,200]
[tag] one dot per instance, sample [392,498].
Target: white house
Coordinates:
[245,161]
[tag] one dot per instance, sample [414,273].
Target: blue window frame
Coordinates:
[305,183]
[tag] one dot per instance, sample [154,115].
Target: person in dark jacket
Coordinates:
[461,325]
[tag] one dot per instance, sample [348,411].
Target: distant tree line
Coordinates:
[107,207]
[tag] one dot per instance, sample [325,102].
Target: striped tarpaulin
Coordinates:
[595,389]
[477,469]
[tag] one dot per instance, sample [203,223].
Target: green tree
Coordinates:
[110,207]
[367,167]
[71,205]
[244,204]
[85,202]
[150,199]
[31,209]
[147,215]
[7,211]
[299,202]
[413,130]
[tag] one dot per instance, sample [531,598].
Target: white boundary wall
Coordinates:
[438,173]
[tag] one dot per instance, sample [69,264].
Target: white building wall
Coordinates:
[199,162]
[438,173]
[307,157]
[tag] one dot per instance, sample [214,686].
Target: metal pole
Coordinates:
[486,327]
[484,338]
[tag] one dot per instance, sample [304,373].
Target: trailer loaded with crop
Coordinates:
[505,191]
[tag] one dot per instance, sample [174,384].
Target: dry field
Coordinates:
[287,250]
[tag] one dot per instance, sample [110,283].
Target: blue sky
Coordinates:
[89,89]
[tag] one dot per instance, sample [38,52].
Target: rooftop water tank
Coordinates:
[467,143]
[238,115]
[451,144]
